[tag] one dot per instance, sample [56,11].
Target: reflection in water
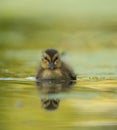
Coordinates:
[49,90]
[50,104]
[86,105]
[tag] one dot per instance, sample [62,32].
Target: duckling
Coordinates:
[52,67]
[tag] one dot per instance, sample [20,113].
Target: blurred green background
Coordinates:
[85,30]
[64,24]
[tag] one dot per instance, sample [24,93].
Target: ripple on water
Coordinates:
[89,104]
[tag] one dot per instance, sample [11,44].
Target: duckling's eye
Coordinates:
[56,59]
[45,58]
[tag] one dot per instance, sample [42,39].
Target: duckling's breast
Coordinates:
[50,74]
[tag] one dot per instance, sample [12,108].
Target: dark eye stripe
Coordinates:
[56,59]
[46,59]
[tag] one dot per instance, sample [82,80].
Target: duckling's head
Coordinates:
[50,59]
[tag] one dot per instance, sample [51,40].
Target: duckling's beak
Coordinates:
[51,65]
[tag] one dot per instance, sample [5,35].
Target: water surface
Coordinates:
[91,103]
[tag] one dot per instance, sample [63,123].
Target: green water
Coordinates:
[91,103]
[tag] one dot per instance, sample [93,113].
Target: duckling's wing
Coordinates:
[68,71]
[39,72]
